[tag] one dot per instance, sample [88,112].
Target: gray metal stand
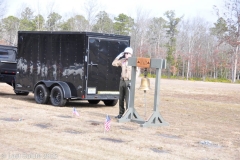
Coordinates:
[131,114]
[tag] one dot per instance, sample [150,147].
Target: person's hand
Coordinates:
[120,55]
[123,59]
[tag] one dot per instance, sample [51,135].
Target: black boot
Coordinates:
[118,116]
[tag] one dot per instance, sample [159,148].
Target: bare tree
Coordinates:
[156,35]
[12,25]
[38,15]
[2,8]
[184,45]
[192,47]
[190,36]
[139,32]
[91,7]
[50,7]
[231,13]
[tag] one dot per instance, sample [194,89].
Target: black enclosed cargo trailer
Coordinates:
[61,66]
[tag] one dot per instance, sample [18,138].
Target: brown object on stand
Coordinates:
[143,62]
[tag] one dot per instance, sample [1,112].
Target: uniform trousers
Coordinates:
[123,95]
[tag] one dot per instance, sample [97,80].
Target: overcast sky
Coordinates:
[155,8]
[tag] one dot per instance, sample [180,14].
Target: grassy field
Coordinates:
[203,118]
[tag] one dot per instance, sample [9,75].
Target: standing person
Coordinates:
[125,79]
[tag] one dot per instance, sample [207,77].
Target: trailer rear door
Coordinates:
[102,77]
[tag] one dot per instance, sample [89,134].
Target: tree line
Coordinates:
[194,48]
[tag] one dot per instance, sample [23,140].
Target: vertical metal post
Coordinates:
[157,90]
[131,114]
[145,102]
[132,90]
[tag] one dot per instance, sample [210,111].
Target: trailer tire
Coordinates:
[93,101]
[57,98]
[110,102]
[41,94]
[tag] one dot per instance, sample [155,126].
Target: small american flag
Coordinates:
[107,123]
[75,112]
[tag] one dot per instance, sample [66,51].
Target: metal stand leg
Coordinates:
[131,114]
[156,118]
[145,104]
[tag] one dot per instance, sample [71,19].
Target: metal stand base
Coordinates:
[155,120]
[131,115]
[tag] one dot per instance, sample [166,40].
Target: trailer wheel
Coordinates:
[41,94]
[110,102]
[93,101]
[56,97]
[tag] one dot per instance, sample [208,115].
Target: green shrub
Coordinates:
[237,81]
[207,79]
[223,80]
[149,75]
[195,79]
[164,77]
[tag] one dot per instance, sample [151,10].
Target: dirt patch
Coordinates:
[157,150]
[113,140]
[203,118]
[43,126]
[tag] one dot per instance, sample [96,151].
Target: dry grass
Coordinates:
[203,117]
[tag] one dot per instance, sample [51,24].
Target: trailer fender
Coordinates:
[66,89]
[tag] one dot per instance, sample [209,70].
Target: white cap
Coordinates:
[129,50]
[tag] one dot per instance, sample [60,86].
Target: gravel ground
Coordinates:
[203,118]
